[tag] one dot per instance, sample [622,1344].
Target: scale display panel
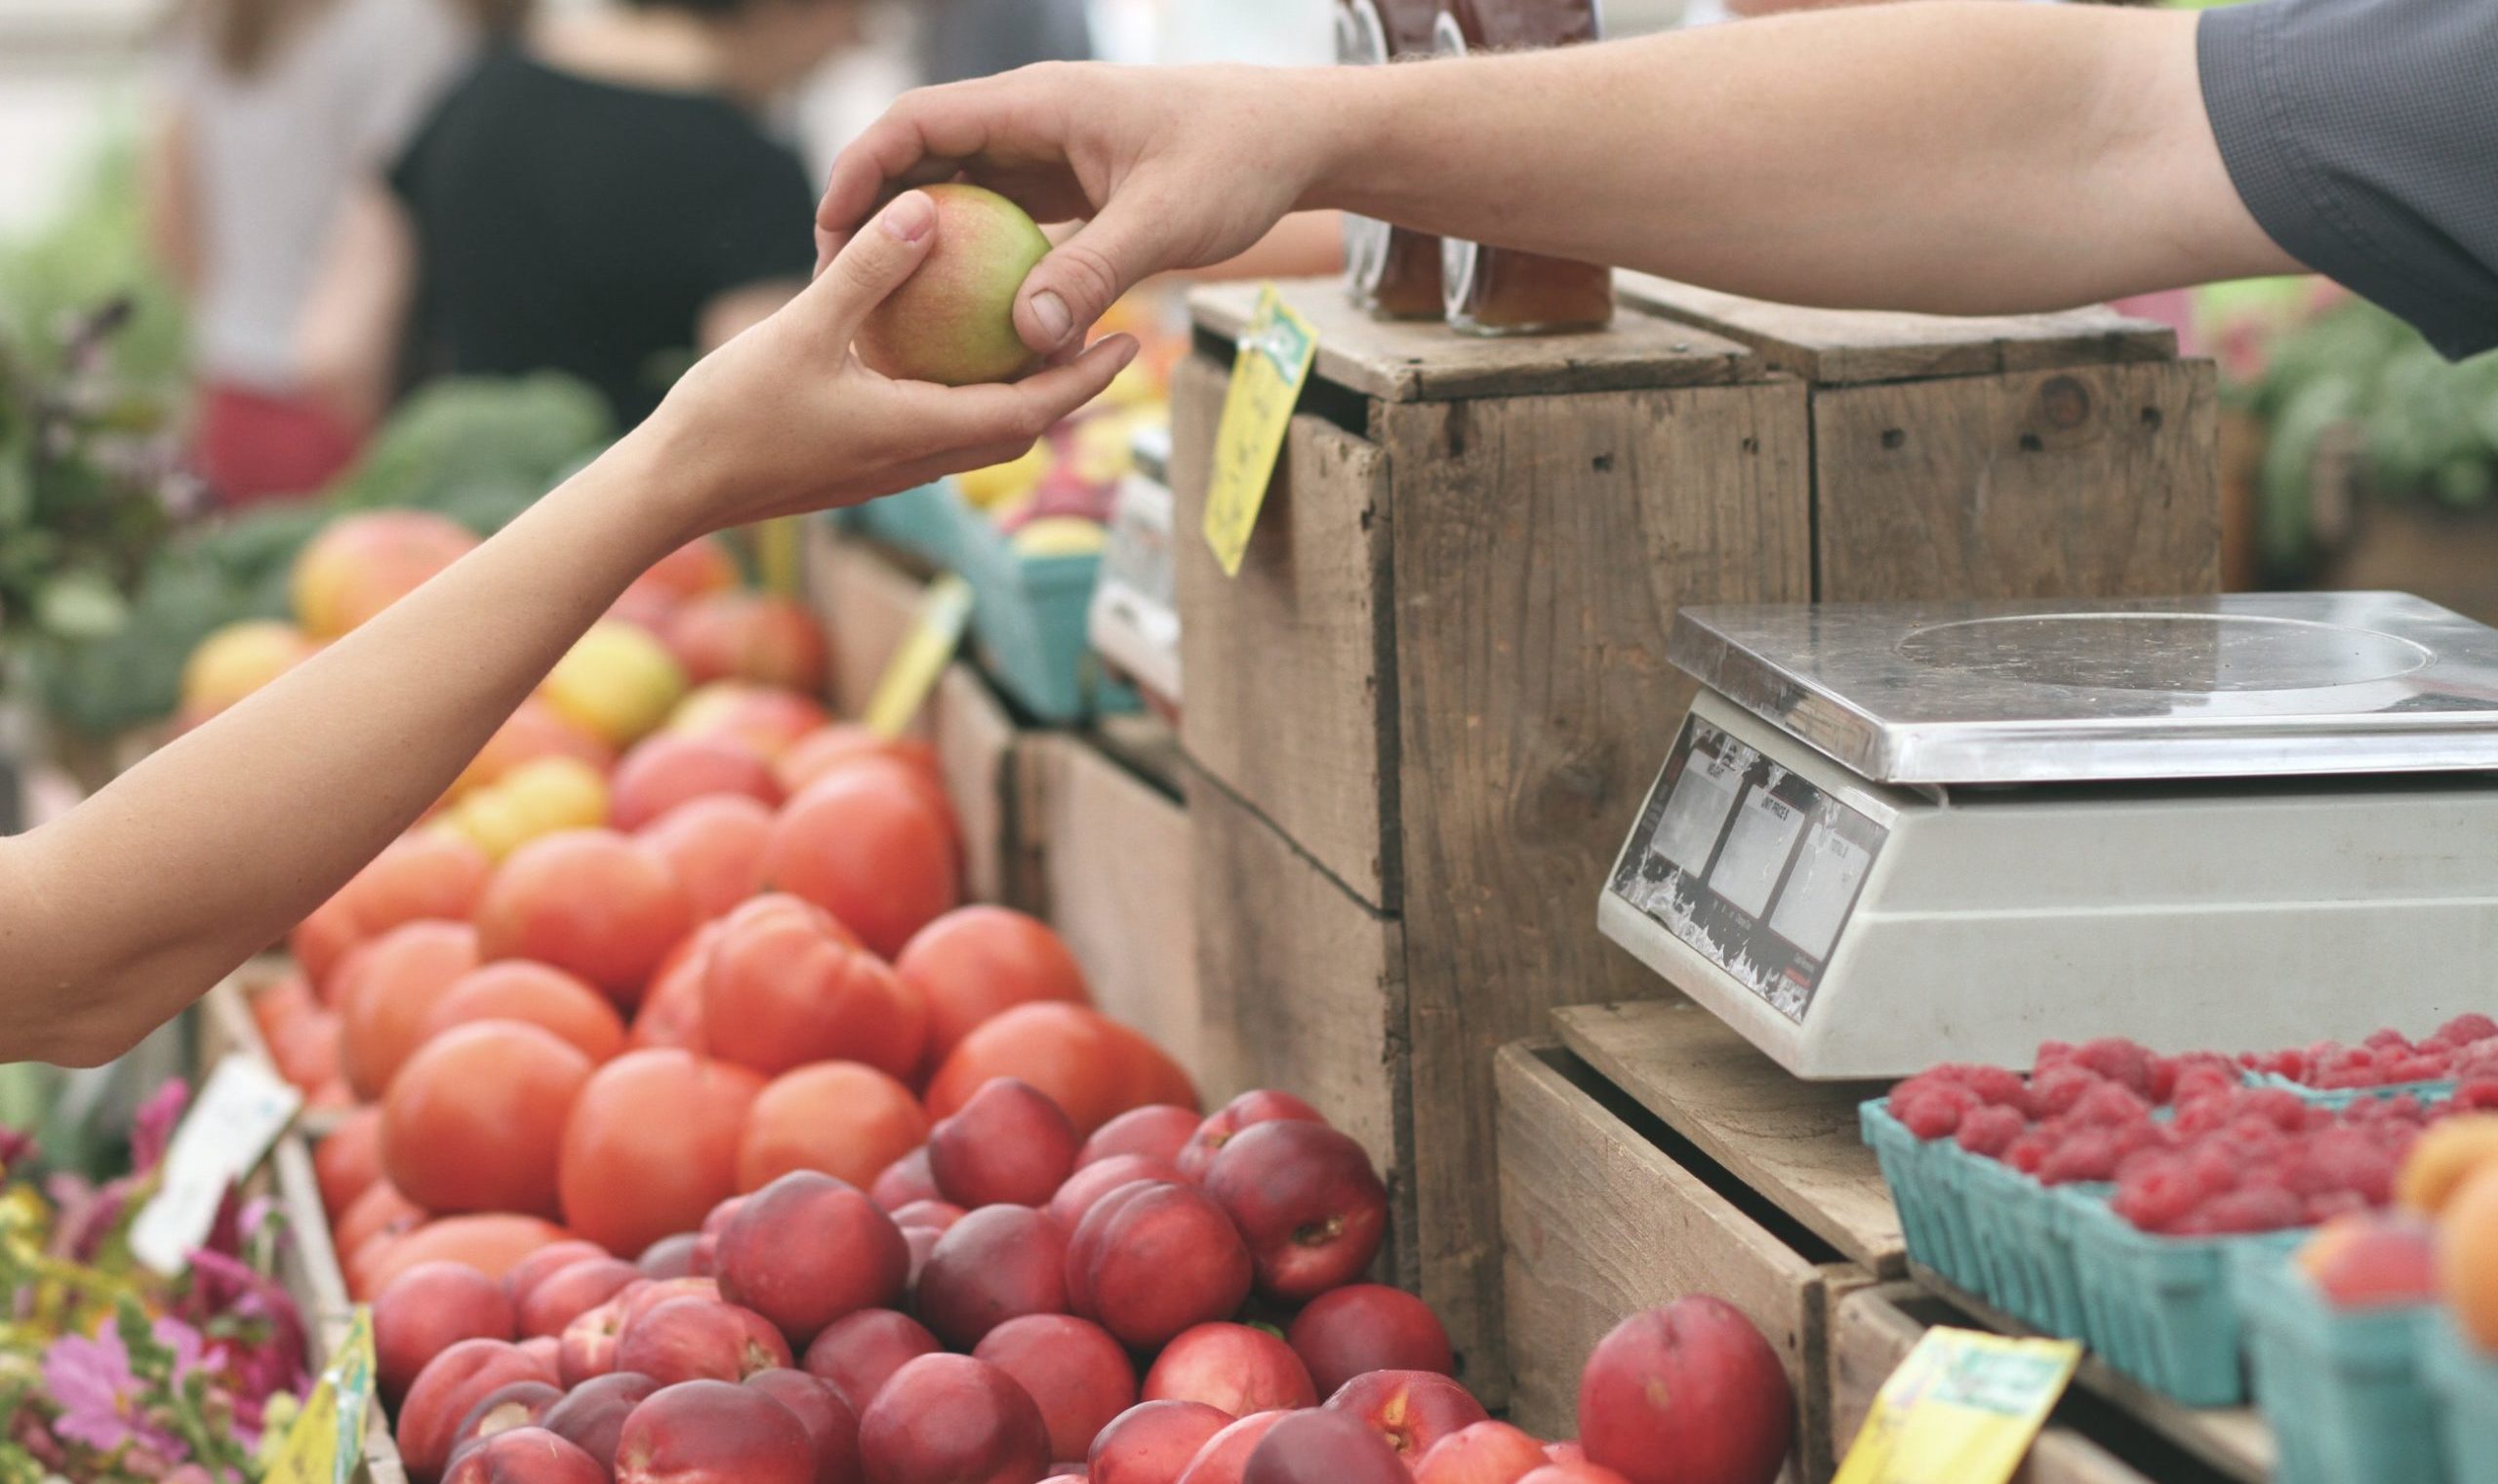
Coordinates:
[1748,863]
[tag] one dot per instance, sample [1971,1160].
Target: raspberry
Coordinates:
[2343,1159]
[2475,1096]
[2119,1061]
[2000,1087]
[1990,1130]
[2088,1154]
[2110,1106]
[2057,1088]
[2464,1030]
[2278,1107]
[2158,1194]
[1937,1110]
[2051,1053]
[2029,1152]
[2421,1066]
[2245,1209]
[2388,1039]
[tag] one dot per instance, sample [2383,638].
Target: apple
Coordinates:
[525,1456]
[905,1181]
[1368,1327]
[1482,1452]
[1323,1448]
[713,1433]
[669,1257]
[591,1415]
[832,1423]
[1411,1410]
[935,1215]
[1076,1371]
[807,1250]
[860,1353]
[953,1420]
[444,1393]
[1159,1131]
[1249,1109]
[513,1404]
[1689,1394]
[1236,1368]
[953,321]
[1307,1202]
[554,1258]
[570,1292]
[1227,1454]
[1090,1183]
[427,1310]
[997,1264]
[699,1339]
[1152,1442]
[1150,1260]
[1009,1144]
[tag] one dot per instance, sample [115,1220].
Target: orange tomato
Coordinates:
[826,749]
[670,770]
[322,942]
[348,1162]
[516,990]
[1094,1067]
[976,961]
[429,875]
[384,999]
[306,1050]
[475,1118]
[864,846]
[652,1146]
[847,1120]
[750,637]
[671,1014]
[380,1211]
[715,846]
[534,730]
[491,1243]
[590,901]
[786,985]
[764,717]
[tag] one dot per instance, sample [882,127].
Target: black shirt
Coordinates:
[580,225]
[2363,135]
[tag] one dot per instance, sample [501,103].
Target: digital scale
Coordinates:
[1889,835]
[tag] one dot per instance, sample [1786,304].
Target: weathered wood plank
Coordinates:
[2093,481]
[1115,853]
[1290,666]
[975,740]
[1872,1331]
[1845,346]
[1794,1142]
[865,605]
[1411,361]
[1543,545]
[1600,1223]
[1303,985]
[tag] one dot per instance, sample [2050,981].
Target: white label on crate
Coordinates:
[1821,891]
[235,1119]
[1756,851]
[1697,811]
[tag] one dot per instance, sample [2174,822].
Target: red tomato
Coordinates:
[652,1146]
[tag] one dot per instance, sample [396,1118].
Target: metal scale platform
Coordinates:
[1894,835]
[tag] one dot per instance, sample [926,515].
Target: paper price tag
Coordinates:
[327,1439]
[1275,355]
[911,674]
[1963,1409]
[238,1115]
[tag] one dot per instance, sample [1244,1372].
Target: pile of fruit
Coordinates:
[2437,1243]
[2192,1150]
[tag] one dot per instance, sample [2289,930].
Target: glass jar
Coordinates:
[1503,290]
[1390,270]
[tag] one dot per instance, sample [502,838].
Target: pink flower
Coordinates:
[152,1126]
[17,1147]
[90,1380]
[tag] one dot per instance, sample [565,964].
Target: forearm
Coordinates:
[250,823]
[1955,158]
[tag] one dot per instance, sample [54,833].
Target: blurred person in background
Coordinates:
[272,110]
[962,39]
[599,198]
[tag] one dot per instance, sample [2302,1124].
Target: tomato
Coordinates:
[430,874]
[385,996]
[348,1162]
[380,1211]
[847,1120]
[476,1117]
[492,1243]
[590,901]
[750,637]
[1094,1067]
[532,731]
[786,987]
[652,1146]
[715,846]
[866,847]
[821,751]
[672,769]
[305,1049]
[322,942]
[975,961]
[671,1014]
[516,990]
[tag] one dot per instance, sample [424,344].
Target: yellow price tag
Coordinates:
[326,1441]
[776,544]
[1963,1409]
[911,674]
[1275,355]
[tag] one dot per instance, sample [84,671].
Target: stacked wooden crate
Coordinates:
[1423,715]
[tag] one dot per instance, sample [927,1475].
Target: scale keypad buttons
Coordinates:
[1748,863]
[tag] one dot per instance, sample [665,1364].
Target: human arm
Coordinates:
[117,915]
[1950,155]
[347,337]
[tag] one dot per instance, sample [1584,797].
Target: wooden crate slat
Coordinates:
[1289,663]
[2088,481]
[975,740]
[1410,361]
[1115,854]
[1535,701]
[868,606]
[1843,346]
[1872,1331]
[1795,1142]
[1601,1223]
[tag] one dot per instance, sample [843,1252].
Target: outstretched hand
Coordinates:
[786,417]
[1168,168]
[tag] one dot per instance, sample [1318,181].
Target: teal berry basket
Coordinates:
[2339,1097]
[2345,1390]
[2023,1231]
[922,521]
[1030,624]
[1929,1186]
[2159,1308]
[2463,1392]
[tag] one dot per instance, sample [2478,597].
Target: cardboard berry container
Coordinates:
[2463,1392]
[2161,1309]
[2345,1390]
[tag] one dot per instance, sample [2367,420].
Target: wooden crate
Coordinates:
[1109,854]
[865,598]
[2089,1440]
[1606,1212]
[1441,675]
